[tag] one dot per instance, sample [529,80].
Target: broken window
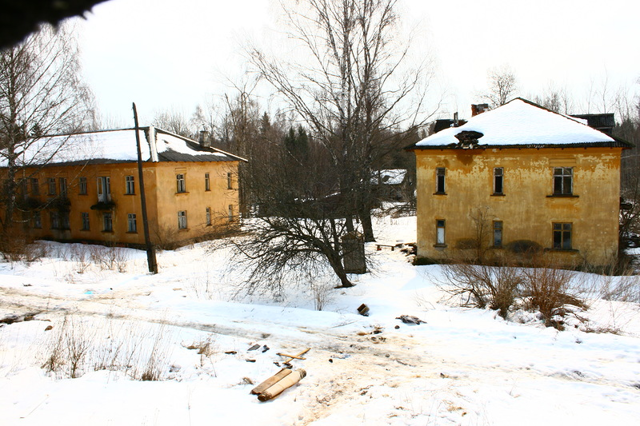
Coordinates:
[104,189]
[497,233]
[562,233]
[498,181]
[563,181]
[440,232]
[207,182]
[440,173]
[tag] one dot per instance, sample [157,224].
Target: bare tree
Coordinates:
[173,121]
[502,86]
[352,94]
[41,94]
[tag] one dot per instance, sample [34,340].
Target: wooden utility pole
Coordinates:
[151,251]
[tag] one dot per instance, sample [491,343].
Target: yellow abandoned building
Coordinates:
[519,178]
[88,188]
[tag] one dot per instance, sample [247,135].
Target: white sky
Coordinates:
[175,54]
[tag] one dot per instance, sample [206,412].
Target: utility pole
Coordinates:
[151,251]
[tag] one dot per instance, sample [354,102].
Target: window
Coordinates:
[129,185]
[54,218]
[35,186]
[107,222]
[230,210]
[208,217]
[497,233]
[63,187]
[85,221]
[182,185]
[182,219]
[498,181]
[229,181]
[104,189]
[207,182]
[440,172]
[37,220]
[51,186]
[132,226]
[562,236]
[440,232]
[82,186]
[563,181]
[64,220]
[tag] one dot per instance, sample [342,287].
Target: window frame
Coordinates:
[229,180]
[181,183]
[441,173]
[34,186]
[85,221]
[560,232]
[207,182]
[37,219]
[104,188]
[498,233]
[54,219]
[107,222]
[208,216]
[182,220]
[441,225]
[51,186]
[498,181]
[132,223]
[83,186]
[62,183]
[129,185]
[562,178]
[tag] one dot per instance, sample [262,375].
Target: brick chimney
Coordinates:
[478,109]
[203,139]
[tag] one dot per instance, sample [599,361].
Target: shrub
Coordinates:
[482,285]
[547,290]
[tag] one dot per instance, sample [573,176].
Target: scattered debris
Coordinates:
[265,348]
[250,360]
[278,383]
[254,347]
[409,319]
[363,310]
[10,319]
[49,327]
[292,357]
[397,327]
[247,380]
[377,330]
[231,352]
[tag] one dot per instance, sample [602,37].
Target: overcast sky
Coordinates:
[175,54]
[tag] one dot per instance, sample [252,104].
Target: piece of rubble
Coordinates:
[409,319]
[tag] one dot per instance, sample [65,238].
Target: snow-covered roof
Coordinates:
[389,176]
[118,146]
[519,123]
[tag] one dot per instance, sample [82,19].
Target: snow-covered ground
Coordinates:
[189,326]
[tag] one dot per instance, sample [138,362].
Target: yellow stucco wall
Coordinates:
[527,208]
[163,201]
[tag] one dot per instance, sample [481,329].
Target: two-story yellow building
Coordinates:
[89,188]
[517,178]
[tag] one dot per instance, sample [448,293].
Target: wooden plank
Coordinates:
[292,357]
